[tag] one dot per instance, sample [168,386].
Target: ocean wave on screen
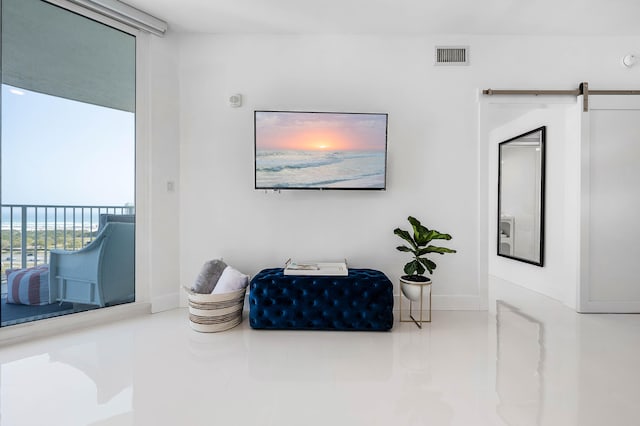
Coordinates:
[309,169]
[329,182]
[278,161]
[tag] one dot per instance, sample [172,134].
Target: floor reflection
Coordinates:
[421,399]
[421,403]
[519,366]
[326,356]
[82,384]
[533,362]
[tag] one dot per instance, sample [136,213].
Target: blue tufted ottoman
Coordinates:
[363,300]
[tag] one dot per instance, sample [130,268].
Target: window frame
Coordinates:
[141,302]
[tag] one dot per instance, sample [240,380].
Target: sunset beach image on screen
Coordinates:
[313,150]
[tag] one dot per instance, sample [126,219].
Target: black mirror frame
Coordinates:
[543,140]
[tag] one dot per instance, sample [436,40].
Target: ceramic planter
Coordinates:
[411,289]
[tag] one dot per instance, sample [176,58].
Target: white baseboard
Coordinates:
[444,303]
[456,303]
[615,307]
[165,302]
[47,327]
[440,303]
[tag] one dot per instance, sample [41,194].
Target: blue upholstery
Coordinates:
[107,217]
[102,273]
[363,300]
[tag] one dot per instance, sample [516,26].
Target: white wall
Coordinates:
[437,167]
[161,244]
[222,215]
[559,274]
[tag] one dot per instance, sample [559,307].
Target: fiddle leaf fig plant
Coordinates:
[419,247]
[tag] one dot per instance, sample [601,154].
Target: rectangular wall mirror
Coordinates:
[521,197]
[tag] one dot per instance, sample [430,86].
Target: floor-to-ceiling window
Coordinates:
[67,162]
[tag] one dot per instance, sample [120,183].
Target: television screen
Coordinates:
[320,150]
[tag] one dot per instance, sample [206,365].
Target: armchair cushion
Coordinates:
[122,218]
[28,286]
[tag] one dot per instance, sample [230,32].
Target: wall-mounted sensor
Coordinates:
[235,101]
[629,61]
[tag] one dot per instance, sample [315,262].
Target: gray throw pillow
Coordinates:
[208,276]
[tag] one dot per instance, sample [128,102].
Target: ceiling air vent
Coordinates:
[452,55]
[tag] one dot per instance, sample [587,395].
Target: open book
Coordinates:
[303,266]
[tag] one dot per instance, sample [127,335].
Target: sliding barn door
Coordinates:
[610,206]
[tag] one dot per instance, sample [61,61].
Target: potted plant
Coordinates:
[419,247]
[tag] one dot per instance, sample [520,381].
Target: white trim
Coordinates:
[47,327]
[87,13]
[440,303]
[482,200]
[121,12]
[143,170]
[618,307]
[444,303]
[165,302]
[456,303]
[582,289]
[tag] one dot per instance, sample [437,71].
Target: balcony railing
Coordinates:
[30,232]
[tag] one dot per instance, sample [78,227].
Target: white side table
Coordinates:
[413,291]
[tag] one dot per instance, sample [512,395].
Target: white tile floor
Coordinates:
[533,363]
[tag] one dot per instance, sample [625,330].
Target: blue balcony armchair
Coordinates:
[102,273]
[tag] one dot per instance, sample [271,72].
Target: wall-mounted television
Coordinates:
[320,150]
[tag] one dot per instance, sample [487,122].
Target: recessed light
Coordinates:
[16,92]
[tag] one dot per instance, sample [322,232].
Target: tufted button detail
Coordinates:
[361,301]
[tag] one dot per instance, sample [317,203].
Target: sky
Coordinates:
[320,131]
[62,152]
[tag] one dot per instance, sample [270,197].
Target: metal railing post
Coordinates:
[23,237]
[11,237]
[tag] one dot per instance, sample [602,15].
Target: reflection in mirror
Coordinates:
[521,197]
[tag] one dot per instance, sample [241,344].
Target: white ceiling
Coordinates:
[485,17]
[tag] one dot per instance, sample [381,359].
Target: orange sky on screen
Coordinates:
[315,141]
[320,132]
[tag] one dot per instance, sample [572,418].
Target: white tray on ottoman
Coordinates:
[316,268]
